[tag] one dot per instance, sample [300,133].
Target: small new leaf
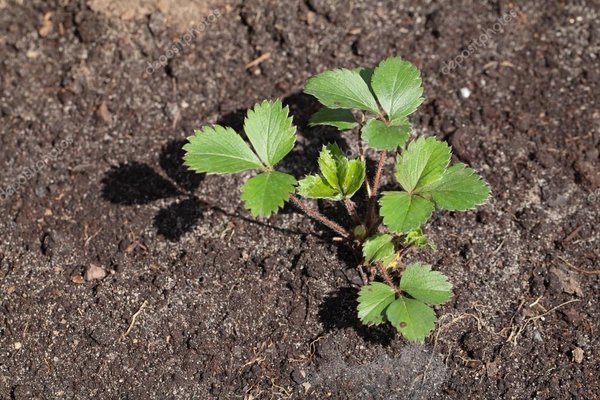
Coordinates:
[430,287]
[459,189]
[219,150]
[378,247]
[270,131]
[339,118]
[417,238]
[403,212]
[373,299]
[341,88]
[397,85]
[380,136]
[341,177]
[412,318]
[315,187]
[265,193]
[423,163]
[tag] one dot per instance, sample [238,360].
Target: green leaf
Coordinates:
[366,74]
[380,136]
[270,131]
[423,163]
[265,193]
[373,299]
[459,189]
[342,88]
[343,177]
[315,187]
[430,287]
[417,238]
[340,118]
[403,212]
[397,85]
[378,247]
[333,165]
[354,178]
[219,150]
[412,318]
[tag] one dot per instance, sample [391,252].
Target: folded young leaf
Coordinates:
[341,88]
[417,238]
[219,150]
[422,163]
[265,193]
[339,118]
[373,299]
[403,212]
[315,187]
[378,247]
[397,85]
[412,318]
[380,136]
[333,165]
[354,178]
[430,287]
[270,131]
[459,189]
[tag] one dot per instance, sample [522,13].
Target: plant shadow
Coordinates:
[338,311]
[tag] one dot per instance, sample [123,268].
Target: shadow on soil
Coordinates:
[338,311]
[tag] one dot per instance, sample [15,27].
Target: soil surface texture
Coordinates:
[123,276]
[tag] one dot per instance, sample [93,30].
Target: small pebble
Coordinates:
[578,355]
[94,272]
[465,93]
[18,345]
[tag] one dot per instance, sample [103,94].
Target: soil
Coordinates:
[200,300]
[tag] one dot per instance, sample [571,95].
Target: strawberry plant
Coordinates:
[377,102]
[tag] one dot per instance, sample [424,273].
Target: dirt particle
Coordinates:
[18,345]
[78,279]
[94,273]
[578,355]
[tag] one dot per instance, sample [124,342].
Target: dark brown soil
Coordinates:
[229,307]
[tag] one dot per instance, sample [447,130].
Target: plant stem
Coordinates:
[319,217]
[352,211]
[374,191]
[388,279]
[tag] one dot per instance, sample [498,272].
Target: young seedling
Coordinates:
[377,102]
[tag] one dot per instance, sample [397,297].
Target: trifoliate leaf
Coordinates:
[219,150]
[403,212]
[270,131]
[354,178]
[341,88]
[373,299]
[430,287]
[397,85]
[413,319]
[422,163]
[265,193]
[338,117]
[459,189]
[315,187]
[378,247]
[380,136]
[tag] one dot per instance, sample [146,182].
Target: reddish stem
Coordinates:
[374,190]
[388,279]
[319,217]
[352,211]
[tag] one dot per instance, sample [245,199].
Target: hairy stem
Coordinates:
[388,279]
[374,190]
[352,211]
[319,217]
